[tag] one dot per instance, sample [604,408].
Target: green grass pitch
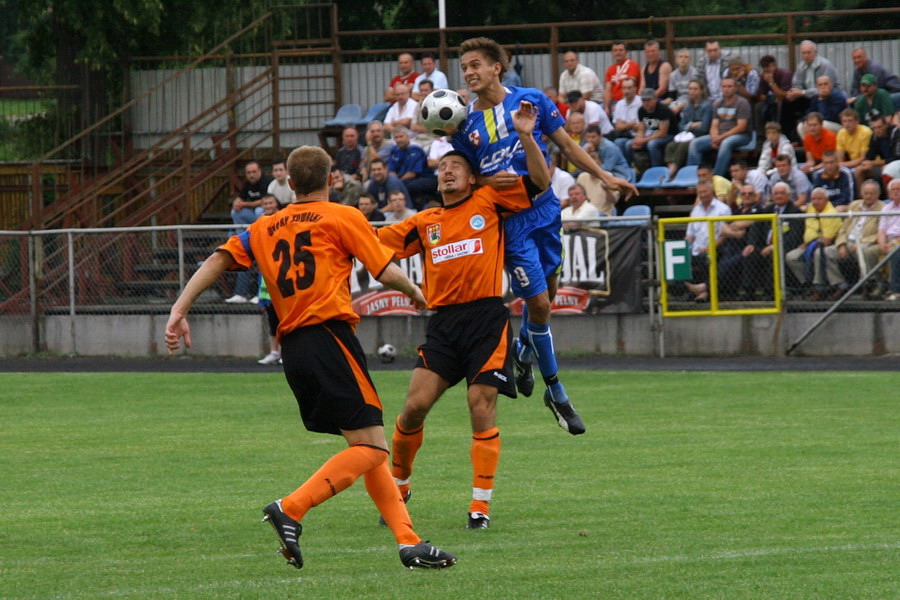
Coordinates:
[686,485]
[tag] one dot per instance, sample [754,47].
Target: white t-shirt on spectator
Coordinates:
[282,192]
[437,78]
[408,111]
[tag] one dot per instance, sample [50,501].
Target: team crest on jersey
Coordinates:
[434,233]
[475,138]
[554,114]
[476,222]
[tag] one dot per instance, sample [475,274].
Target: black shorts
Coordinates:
[470,341]
[326,369]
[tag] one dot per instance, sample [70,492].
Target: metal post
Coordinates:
[70,241]
[32,296]
[181,282]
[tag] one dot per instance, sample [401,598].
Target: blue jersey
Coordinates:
[490,141]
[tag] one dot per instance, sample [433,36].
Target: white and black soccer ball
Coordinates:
[387,353]
[442,112]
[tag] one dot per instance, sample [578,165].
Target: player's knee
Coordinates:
[539,308]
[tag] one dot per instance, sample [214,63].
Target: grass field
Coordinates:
[686,485]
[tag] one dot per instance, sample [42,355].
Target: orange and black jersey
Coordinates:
[461,244]
[305,254]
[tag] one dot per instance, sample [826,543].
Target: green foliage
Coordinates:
[686,485]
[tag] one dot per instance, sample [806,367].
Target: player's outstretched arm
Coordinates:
[395,278]
[583,160]
[177,326]
[524,120]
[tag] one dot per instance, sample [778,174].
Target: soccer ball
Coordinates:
[443,111]
[387,353]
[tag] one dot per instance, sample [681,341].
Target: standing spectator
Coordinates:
[872,100]
[593,112]
[773,87]
[622,68]
[382,183]
[884,79]
[807,261]
[797,182]
[578,208]
[655,128]
[884,148]
[857,239]
[853,139]
[406,67]
[279,186]
[729,129]
[775,145]
[816,142]
[323,361]
[431,73]
[625,115]
[837,181]
[697,236]
[369,208]
[712,69]
[578,78]
[695,119]
[349,157]
[803,86]
[679,79]
[656,72]
[403,112]
[270,206]
[410,164]
[889,236]
[396,208]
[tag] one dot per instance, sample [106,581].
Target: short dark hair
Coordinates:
[766,60]
[461,155]
[782,157]
[490,49]
[593,128]
[427,55]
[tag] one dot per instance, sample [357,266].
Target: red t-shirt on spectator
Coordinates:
[408,80]
[616,73]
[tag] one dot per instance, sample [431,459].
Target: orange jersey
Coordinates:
[461,244]
[305,254]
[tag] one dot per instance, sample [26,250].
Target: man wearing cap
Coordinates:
[656,127]
[872,100]
[884,79]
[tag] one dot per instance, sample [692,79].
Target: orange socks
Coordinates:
[337,474]
[485,458]
[384,493]
[404,446]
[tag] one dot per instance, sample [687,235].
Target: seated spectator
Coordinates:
[439,148]
[694,121]
[608,153]
[889,236]
[551,93]
[721,186]
[578,208]
[797,182]
[410,163]
[884,148]
[837,181]
[396,209]
[575,127]
[775,145]
[857,240]
[576,77]
[403,111]
[560,182]
[729,129]
[807,261]
[279,186]
[513,77]
[382,183]
[828,102]
[679,79]
[246,207]
[368,207]
[773,87]
[431,73]
[816,143]
[376,147]
[656,72]
[625,115]
[872,100]
[852,140]
[735,233]
[746,78]
[593,112]
[741,175]
[343,188]
[421,136]
[601,197]
[884,79]
[349,157]
[697,236]
[757,255]
[803,86]
[621,69]
[656,128]
[406,67]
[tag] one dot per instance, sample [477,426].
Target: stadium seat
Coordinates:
[653,177]
[635,210]
[685,177]
[348,114]
[376,112]
[749,146]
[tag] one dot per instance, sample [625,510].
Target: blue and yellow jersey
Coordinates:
[489,140]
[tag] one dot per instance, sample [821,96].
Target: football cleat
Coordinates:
[425,556]
[381,520]
[523,371]
[288,531]
[565,414]
[478,520]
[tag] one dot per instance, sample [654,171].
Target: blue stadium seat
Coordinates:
[653,177]
[635,210]
[685,177]
[749,146]
[348,114]
[376,112]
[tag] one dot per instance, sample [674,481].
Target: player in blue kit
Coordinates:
[533,242]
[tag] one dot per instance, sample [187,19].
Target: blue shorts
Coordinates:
[534,246]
